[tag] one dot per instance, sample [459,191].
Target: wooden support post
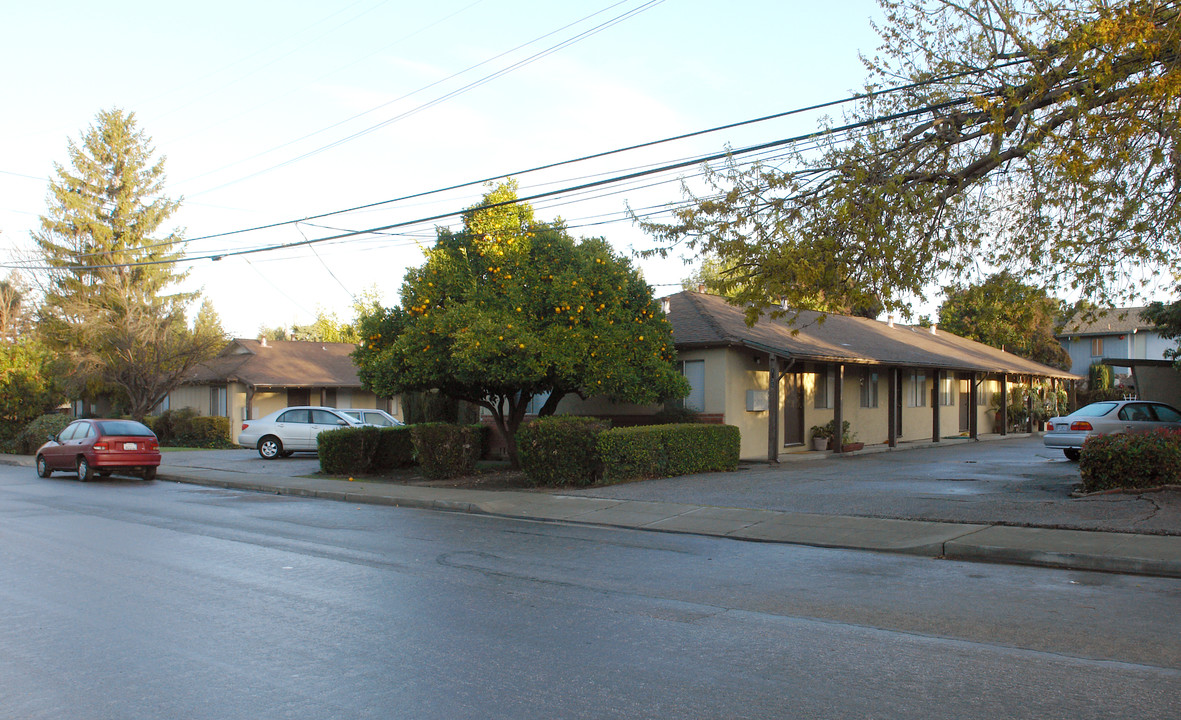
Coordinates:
[973,408]
[1029,408]
[936,399]
[892,398]
[1004,404]
[838,416]
[773,408]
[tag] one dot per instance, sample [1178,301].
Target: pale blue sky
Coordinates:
[232,89]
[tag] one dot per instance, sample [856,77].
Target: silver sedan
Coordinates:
[1109,417]
[292,429]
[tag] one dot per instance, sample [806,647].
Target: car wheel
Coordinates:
[149,473]
[1072,453]
[85,471]
[270,447]
[43,467]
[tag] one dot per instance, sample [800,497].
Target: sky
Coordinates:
[273,111]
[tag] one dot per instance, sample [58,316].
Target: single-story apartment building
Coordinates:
[892,382]
[253,378]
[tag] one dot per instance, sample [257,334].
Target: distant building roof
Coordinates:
[1116,321]
[281,363]
[704,321]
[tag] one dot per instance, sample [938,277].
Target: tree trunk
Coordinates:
[551,403]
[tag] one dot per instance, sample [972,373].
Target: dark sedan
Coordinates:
[101,447]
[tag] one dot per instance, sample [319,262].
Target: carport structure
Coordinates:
[891,382]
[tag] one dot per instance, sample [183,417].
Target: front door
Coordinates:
[793,408]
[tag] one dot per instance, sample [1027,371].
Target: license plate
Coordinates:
[130,446]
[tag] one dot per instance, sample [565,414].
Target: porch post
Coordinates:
[936,399]
[772,408]
[1029,408]
[249,402]
[892,398]
[973,408]
[838,416]
[1004,403]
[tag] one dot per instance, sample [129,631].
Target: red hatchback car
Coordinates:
[101,447]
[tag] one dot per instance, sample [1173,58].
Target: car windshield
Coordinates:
[124,427]
[1098,409]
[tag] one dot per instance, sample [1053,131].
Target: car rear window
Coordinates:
[1098,409]
[1165,413]
[125,427]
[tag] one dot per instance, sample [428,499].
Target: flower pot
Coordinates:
[853,446]
[819,443]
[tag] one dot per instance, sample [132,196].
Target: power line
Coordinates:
[562,191]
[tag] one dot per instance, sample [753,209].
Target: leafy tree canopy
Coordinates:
[1008,133]
[107,269]
[1008,314]
[1166,317]
[509,309]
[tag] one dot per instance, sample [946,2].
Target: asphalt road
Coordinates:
[1014,481]
[126,599]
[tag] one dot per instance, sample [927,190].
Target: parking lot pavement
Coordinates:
[1013,481]
[240,461]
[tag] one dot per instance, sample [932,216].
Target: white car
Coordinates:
[1108,417]
[292,429]
[369,416]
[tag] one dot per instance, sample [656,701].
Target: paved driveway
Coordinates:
[1014,481]
[243,461]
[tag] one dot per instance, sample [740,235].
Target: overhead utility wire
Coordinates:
[465,88]
[606,153]
[549,193]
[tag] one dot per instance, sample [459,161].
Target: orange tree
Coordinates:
[509,309]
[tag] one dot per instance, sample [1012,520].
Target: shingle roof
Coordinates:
[1116,321]
[281,363]
[703,321]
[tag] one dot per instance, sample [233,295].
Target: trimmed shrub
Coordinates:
[208,432]
[632,452]
[446,451]
[364,450]
[668,450]
[173,425]
[701,448]
[560,450]
[347,451]
[395,448]
[1138,460]
[34,435]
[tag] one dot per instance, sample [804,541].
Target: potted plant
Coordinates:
[821,434]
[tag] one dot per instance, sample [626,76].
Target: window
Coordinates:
[295,416]
[324,417]
[694,371]
[918,389]
[826,382]
[1097,347]
[1164,413]
[869,389]
[947,391]
[217,401]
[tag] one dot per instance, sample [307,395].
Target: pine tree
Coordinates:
[108,271]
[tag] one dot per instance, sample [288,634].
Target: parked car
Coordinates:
[90,447]
[1109,417]
[291,430]
[369,416]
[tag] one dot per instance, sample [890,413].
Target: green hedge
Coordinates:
[667,450]
[561,450]
[34,435]
[183,427]
[1139,460]
[364,450]
[446,451]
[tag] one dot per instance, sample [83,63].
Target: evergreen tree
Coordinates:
[107,303]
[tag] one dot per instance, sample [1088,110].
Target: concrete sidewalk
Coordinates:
[1075,549]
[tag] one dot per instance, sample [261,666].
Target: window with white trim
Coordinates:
[694,372]
[918,389]
[823,390]
[869,388]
